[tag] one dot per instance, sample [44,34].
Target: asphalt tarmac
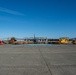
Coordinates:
[37,59]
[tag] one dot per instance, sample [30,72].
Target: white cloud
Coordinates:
[11,11]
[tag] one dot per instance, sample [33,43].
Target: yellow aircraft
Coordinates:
[64,40]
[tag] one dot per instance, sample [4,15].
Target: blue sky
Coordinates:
[44,18]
